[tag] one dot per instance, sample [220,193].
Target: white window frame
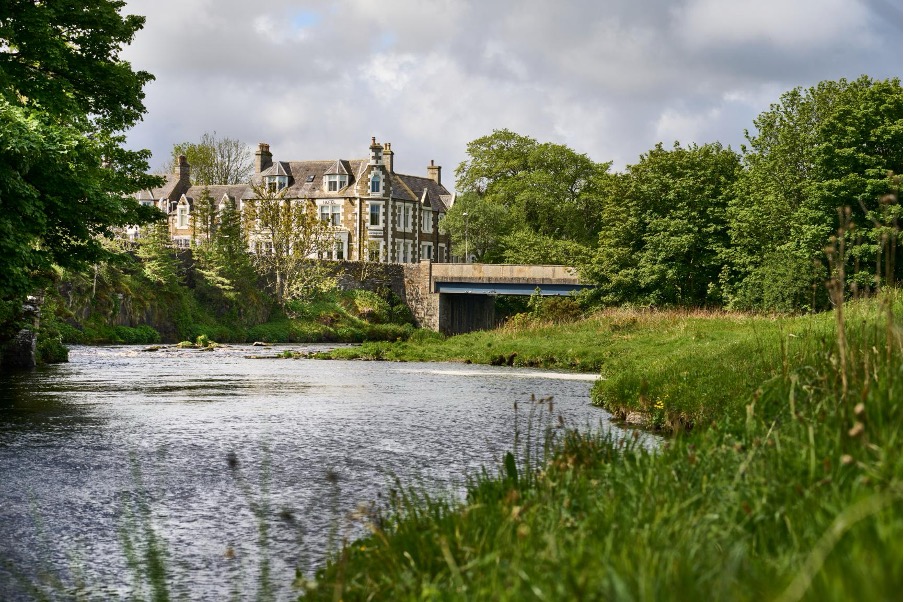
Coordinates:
[182,216]
[375,177]
[427,221]
[406,217]
[332,213]
[377,247]
[427,251]
[276,183]
[336,182]
[380,214]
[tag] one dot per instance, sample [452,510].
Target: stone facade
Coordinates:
[373,213]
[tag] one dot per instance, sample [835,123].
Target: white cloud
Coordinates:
[794,25]
[317,79]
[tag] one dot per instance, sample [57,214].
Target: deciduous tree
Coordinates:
[665,231]
[287,234]
[548,190]
[477,227]
[65,98]
[833,145]
[215,160]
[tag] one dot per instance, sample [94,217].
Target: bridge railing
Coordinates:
[487,272]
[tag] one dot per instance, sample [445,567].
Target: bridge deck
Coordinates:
[506,288]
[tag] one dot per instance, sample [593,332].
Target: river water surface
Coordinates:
[182,446]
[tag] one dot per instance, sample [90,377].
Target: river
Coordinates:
[201,450]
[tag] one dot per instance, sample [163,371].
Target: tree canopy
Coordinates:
[665,230]
[215,160]
[548,192]
[65,98]
[833,145]
[700,224]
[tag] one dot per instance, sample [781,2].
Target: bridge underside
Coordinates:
[468,306]
[466,313]
[460,297]
[507,288]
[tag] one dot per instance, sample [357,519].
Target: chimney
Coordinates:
[183,170]
[376,152]
[433,172]
[263,158]
[387,151]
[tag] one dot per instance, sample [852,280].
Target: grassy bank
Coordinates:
[788,487]
[656,365]
[336,317]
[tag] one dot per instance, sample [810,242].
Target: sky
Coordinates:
[317,79]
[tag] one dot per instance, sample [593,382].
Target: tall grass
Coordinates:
[788,489]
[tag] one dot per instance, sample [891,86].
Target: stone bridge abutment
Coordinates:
[453,298]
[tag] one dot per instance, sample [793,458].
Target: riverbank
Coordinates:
[335,317]
[787,487]
[664,369]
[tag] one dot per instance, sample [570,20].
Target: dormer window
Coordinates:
[276,183]
[336,182]
[375,182]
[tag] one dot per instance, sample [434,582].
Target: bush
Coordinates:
[70,334]
[138,335]
[369,306]
[50,350]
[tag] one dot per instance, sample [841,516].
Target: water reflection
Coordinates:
[309,440]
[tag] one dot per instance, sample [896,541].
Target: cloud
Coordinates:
[317,79]
[800,25]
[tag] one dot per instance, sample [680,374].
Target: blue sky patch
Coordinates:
[305,19]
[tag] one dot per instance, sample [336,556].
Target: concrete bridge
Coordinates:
[453,298]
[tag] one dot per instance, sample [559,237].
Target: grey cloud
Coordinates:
[317,79]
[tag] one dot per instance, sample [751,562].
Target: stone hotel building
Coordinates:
[373,213]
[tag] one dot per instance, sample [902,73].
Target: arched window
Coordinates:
[375,183]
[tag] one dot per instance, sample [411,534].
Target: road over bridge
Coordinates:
[459,297]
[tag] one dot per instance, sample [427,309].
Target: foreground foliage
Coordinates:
[791,491]
[65,176]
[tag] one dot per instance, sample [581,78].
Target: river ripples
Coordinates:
[199,440]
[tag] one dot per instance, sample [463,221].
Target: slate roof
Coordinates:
[216,191]
[440,199]
[155,194]
[277,169]
[340,167]
[405,187]
[300,172]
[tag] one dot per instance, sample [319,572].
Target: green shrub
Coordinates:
[70,334]
[138,335]
[423,335]
[369,306]
[50,350]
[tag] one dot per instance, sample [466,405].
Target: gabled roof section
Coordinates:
[439,198]
[308,177]
[279,168]
[340,168]
[165,191]
[217,191]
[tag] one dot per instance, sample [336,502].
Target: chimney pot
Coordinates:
[263,158]
[434,172]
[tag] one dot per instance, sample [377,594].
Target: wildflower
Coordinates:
[856,430]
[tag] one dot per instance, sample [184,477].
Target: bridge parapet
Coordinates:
[459,297]
[501,273]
